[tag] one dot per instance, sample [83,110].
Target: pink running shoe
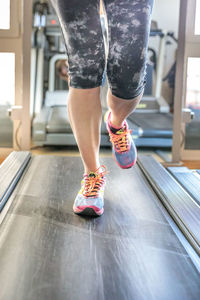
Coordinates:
[89,200]
[124,150]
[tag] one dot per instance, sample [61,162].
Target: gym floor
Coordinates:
[73,151]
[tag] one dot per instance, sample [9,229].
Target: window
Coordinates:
[197,18]
[193,80]
[7,78]
[5,14]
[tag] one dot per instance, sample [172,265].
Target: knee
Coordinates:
[130,82]
[86,92]
[128,90]
[85,80]
[86,75]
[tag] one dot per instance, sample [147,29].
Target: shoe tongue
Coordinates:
[121,130]
[92,174]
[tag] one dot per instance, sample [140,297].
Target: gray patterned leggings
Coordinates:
[128,34]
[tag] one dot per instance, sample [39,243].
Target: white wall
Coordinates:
[166,13]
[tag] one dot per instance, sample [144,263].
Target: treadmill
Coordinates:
[152,129]
[151,122]
[6,127]
[49,94]
[146,245]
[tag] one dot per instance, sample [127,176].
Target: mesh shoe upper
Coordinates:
[124,149]
[91,192]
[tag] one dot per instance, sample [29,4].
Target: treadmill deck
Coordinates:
[129,253]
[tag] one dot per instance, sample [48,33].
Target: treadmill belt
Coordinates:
[159,121]
[131,252]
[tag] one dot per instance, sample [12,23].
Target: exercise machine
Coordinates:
[6,127]
[51,124]
[152,119]
[145,246]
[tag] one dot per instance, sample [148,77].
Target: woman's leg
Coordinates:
[128,27]
[128,33]
[121,108]
[81,27]
[84,110]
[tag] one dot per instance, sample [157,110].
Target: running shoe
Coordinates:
[123,146]
[89,201]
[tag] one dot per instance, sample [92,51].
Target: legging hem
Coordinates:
[85,86]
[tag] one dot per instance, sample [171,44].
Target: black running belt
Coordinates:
[156,121]
[130,252]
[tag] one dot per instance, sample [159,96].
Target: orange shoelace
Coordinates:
[121,141]
[92,182]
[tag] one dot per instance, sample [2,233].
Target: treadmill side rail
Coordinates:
[189,181]
[180,205]
[10,172]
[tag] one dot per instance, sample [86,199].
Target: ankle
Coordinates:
[101,169]
[88,170]
[114,126]
[115,123]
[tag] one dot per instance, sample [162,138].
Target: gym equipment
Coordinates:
[151,122]
[50,123]
[6,127]
[188,179]
[152,119]
[134,251]
[192,130]
[49,37]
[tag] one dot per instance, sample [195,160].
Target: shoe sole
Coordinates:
[88,211]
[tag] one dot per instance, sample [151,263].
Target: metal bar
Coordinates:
[179,83]
[183,209]
[189,181]
[39,81]
[26,31]
[10,172]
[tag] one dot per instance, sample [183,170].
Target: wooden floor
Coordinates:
[4,152]
[105,152]
[194,165]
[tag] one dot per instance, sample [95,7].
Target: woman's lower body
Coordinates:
[128,33]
